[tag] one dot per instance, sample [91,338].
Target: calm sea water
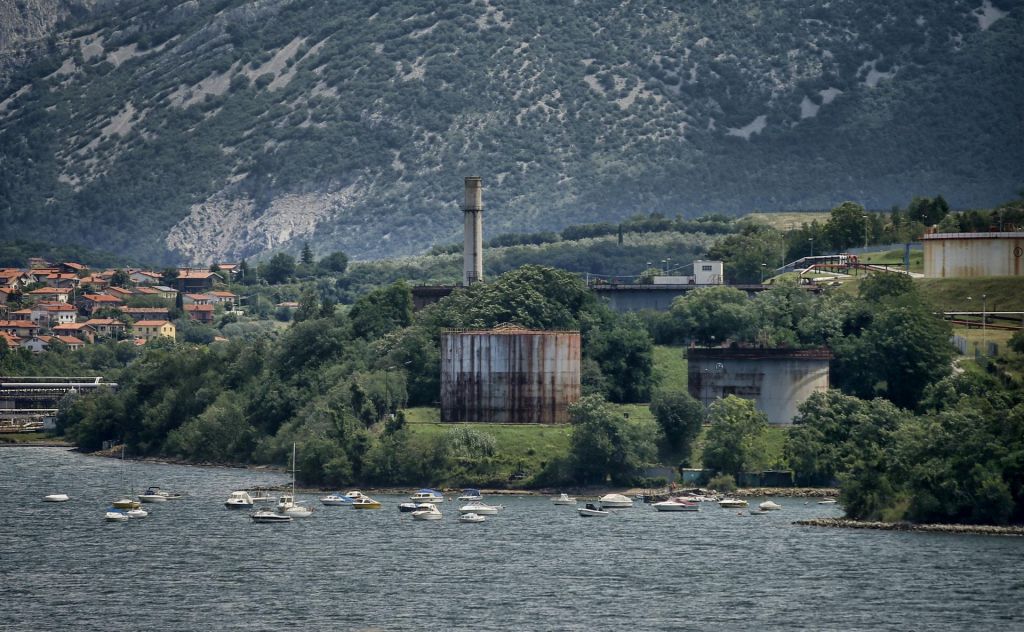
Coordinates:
[194,565]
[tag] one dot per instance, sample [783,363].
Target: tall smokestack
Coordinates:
[473,245]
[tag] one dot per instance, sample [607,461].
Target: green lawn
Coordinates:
[894,258]
[774,447]
[1001,293]
[669,368]
[789,220]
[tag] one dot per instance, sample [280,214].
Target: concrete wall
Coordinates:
[959,255]
[778,385]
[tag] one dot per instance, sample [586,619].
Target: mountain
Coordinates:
[200,131]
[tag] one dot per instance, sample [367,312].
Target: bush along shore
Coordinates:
[843,523]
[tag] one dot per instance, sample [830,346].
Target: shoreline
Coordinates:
[957,529]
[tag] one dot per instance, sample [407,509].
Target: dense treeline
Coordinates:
[332,381]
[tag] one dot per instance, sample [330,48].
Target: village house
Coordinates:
[22,314]
[38,275]
[48,313]
[82,331]
[20,328]
[150,329]
[225,298]
[107,327]
[166,292]
[71,267]
[196,281]
[197,299]
[54,294]
[14,278]
[119,292]
[62,279]
[12,341]
[39,344]
[200,313]
[144,277]
[96,281]
[90,303]
[147,313]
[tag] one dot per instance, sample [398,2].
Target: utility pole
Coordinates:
[865,231]
[984,319]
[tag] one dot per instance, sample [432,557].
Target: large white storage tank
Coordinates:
[960,255]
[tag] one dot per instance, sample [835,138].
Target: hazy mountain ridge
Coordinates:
[223,129]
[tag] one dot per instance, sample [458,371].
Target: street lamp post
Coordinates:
[865,231]
[763,266]
[811,239]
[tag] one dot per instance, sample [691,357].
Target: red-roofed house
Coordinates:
[46,313]
[35,344]
[73,343]
[144,277]
[106,326]
[228,299]
[150,329]
[196,281]
[200,313]
[62,279]
[197,299]
[11,340]
[119,292]
[20,328]
[15,278]
[81,331]
[73,268]
[56,294]
[89,303]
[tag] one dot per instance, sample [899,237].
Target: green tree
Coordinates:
[307,255]
[886,285]
[734,440]
[712,315]
[120,278]
[309,306]
[604,445]
[280,267]
[169,277]
[382,310]
[846,226]
[680,417]
[748,253]
[334,263]
[623,353]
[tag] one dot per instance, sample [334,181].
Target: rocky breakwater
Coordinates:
[789,492]
[844,523]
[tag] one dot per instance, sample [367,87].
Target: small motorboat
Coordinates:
[480,508]
[591,511]
[336,500]
[433,513]
[758,512]
[471,494]
[564,499]
[239,500]
[137,513]
[365,502]
[676,504]
[354,495]
[157,495]
[298,511]
[827,501]
[732,503]
[615,501]
[267,516]
[410,507]
[769,506]
[115,515]
[126,503]
[427,496]
[471,518]
[56,498]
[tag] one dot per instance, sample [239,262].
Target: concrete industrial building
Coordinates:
[778,380]
[959,255]
[509,375]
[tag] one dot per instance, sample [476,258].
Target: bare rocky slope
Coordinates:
[200,131]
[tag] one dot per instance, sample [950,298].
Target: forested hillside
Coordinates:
[201,131]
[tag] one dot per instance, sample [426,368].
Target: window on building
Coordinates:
[706,268]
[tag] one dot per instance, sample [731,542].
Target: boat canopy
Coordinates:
[469,491]
[428,491]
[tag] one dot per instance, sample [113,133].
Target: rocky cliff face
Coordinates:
[198,131]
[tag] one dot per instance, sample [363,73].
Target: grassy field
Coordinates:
[1002,293]
[977,337]
[788,220]
[894,258]
[669,368]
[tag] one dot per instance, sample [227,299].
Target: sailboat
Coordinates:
[287,504]
[126,502]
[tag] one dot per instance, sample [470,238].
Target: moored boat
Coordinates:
[126,503]
[56,498]
[471,494]
[137,513]
[336,500]
[239,500]
[365,502]
[769,506]
[676,504]
[410,507]
[471,518]
[564,499]
[267,516]
[431,513]
[828,501]
[591,511]
[427,496]
[481,508]
[732,503]
[115,515]
[615,501]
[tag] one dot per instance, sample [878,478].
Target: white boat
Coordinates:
[564,499]
[827,501]
[615,501]
[157,495]
[471,494]
[260,495]
[769,506]
[336,500]
[410,507]
[433,513]
[354,495]
[56,498]
[427,496]
[482,509]
[267,516]
[676,504]
[239,500]
[115,515]
[732,503]
[590,511]
[471,517]
[287,505]
[152,498]
[137,513]
[126,503]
